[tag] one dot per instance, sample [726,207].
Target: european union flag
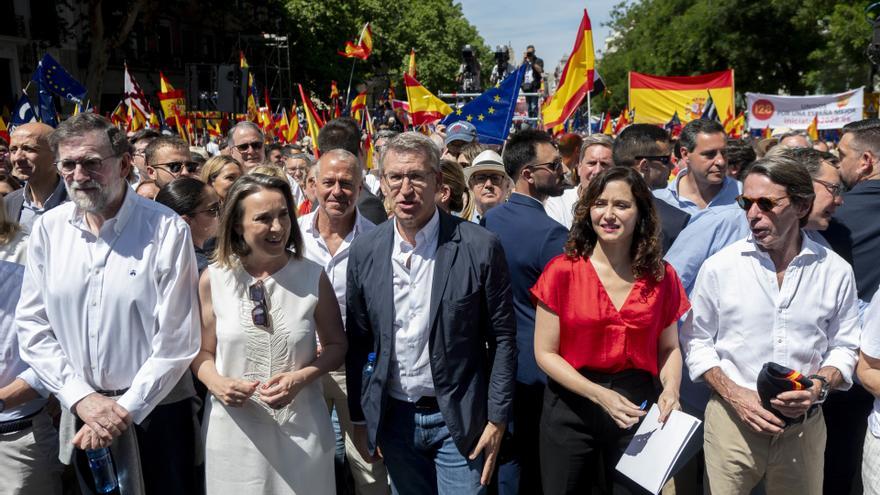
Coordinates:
[492,111]
[24,112]
[52,77]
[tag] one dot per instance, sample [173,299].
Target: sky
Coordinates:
[550,25]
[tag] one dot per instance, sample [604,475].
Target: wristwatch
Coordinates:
[823,392]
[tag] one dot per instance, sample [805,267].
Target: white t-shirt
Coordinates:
[870,345]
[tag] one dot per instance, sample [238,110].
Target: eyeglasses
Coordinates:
[256,146]
[260,313]
[764,204]
[417,180]
[664,159]
[176,167]
[480,179]
[835,190]
[552,167]
[213,210]
[89,165]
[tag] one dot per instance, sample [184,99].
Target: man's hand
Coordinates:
[87,439]
[796,403]
[488,444]
[747,405]
[362,444]
[103,415]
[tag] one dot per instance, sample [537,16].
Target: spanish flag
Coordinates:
[313,121]
[424,107]
[607,126]
[813,128]
[358,104]
[622,121]
[658,97]
[283,126]
[293,130]
[767,133]
[364,46]
[739,125]
[411,68]
[4,131]
[171,100]
[576,80]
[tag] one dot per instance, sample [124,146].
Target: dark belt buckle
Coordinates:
[800,419]
[427,403]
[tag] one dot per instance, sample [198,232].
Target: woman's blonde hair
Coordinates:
[270,170]
[8,228]
[212,168]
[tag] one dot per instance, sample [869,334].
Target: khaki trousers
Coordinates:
[29,459]
[737,458]
[871,464]
[369,479]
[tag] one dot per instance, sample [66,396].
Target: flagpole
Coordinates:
[350,77]
[589,115]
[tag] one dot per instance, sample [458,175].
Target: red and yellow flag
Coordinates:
[135,119]
[659,97]
[607,125]
[813,128]
[364,46]
[242,62]
[119,115]
[293,129]
[334,91]
[171,100]
[622,121]
[738,126]
[424,107]
[576,80]
[358,104]
[313,121]
[4,131]
[767,133]
[411,68]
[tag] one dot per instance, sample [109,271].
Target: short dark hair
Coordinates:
[521,149]
[688,137]
[144,134]
[182,195]
[783,170]
[81,123]
[272,147]
[740,154]
[637,140]
[866,135]
[340,133]
[164,142]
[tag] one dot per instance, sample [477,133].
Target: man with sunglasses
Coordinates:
[703,181]
[167,158]
[775,296]
[246,144]
[530,239]
[488,182]
[108,316]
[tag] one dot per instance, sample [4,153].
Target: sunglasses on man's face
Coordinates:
[764,204]
[256,146]
[260,313]
[176,167]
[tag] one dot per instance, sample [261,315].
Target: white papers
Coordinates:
[656,447]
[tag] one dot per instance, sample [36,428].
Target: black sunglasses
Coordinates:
[176,167]
[664,159]
[260,313]
[256,145]
[764,204]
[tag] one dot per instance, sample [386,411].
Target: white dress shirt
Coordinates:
[11,365]
[114,311]
[412,270]
[335,265]
[871,346]
[741,318]
[561,208]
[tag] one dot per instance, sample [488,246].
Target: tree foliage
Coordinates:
[773,45]
[436,29]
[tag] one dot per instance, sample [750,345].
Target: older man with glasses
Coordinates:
[168,158]
[108,316]
[488,182]
[247,145]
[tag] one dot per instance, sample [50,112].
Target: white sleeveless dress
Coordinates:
[254,449]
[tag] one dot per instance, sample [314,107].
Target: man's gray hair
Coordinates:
[790,174]
[80,124]
[244,124]
[789,134]
[343,155]
[414,143]
[808,158]
[595,140]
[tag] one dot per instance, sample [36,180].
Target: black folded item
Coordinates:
[775,379]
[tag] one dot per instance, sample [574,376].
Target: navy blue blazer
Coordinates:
[530,240]
[472,341]
[854,234]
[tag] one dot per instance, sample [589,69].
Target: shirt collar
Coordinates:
[312,223]
[809,247]
[428,232]
[524,199]
[726,184]
[118,222]
[52,201]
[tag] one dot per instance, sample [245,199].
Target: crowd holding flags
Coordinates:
[492,112]
[576,81]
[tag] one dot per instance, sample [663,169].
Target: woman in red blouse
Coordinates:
[605,330]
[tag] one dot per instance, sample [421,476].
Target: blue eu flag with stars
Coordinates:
[23,113]
[52,77]
[492,111]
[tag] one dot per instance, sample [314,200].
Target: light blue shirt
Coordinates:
[730,189]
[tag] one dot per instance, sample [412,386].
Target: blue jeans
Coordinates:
[421,456]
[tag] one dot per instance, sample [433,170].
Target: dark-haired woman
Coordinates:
[266,430]
[605,330]
[199,206]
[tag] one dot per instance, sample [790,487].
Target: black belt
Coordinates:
[18,424]
[812,411]
[427,403]
[112,393]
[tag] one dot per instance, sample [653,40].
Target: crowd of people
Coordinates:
[450,318]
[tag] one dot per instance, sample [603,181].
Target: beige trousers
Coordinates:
[737,458]
[29,460]
[369,479]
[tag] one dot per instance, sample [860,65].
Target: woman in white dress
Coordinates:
[266,426]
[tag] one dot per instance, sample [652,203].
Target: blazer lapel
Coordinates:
[447,248]
[385,283]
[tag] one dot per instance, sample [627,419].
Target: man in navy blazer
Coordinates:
[429,296]
[530,239]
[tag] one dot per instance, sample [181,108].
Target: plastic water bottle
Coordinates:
[369,367]
[103,472]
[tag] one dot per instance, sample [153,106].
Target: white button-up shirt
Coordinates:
[113,311]
[335,265]
[412,270]
[741,318]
